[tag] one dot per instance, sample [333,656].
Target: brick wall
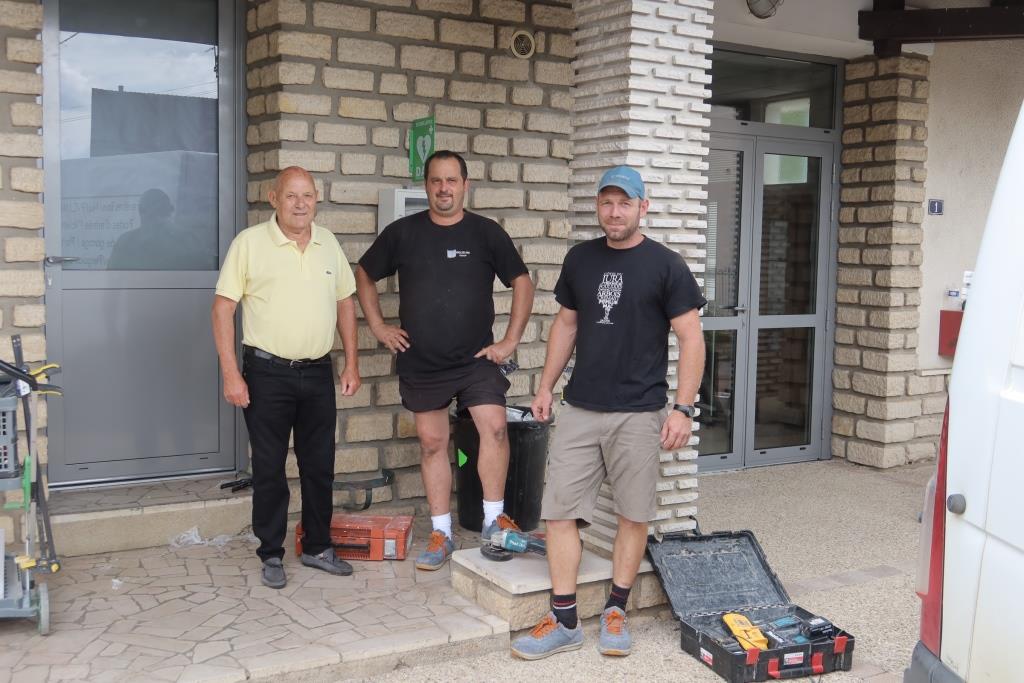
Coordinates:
[886,412]
[21,182]
[334,87]
[641,81]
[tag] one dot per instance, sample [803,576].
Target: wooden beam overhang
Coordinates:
[889,24]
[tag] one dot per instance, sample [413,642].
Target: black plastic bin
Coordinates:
[524,486]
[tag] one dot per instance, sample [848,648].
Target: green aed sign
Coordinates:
[421,145]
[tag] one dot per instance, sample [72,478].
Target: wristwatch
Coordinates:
[688,411]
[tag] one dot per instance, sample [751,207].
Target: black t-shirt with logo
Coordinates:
[624,300]
[446,281]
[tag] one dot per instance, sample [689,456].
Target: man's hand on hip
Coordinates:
[541,406]
[236,391]
[349,380]
[498,352]
[675,433]
[391,336]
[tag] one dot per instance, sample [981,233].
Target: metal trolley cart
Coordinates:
[21,593]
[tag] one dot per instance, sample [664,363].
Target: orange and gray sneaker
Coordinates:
[439,550]
[501,523]
[614,639]
[547,638]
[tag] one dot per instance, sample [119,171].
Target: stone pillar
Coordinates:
[642,72]
[21,208]
[886,412]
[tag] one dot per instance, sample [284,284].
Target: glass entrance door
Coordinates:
[141,203]
[768,221]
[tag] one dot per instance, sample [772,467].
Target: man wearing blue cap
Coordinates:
[619,294]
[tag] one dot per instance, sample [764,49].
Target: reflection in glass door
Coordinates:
[768,214]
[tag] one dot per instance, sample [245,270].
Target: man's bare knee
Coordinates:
[494,434]
[432,445]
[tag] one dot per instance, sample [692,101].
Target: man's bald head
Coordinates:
[291,171]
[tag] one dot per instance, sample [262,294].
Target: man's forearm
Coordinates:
[522,304]
[690,368]
[223,319]
[369,301]
[347,331]
[561,342]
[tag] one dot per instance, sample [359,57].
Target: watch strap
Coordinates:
[686,410]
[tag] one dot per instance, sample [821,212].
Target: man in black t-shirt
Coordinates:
[446,259]
[620,295]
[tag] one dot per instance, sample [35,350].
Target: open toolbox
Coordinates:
[706,576]
[367,537]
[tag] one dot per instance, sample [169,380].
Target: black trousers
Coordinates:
[283,399]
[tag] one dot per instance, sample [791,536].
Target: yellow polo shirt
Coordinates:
[289,297]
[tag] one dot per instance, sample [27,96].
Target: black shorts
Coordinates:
[480,384]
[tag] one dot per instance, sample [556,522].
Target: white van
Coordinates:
[971,578]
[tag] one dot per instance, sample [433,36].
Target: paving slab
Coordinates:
[161,614]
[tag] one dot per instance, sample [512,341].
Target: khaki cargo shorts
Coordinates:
[589,446]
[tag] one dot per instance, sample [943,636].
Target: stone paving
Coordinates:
[200,613]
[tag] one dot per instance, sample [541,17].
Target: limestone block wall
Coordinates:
[887,412]
[334,86]
[21,209]
[642,75]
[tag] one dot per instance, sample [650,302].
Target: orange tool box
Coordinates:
[367,537]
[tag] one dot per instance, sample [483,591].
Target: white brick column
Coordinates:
[642,72]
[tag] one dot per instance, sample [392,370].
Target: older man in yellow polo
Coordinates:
[295,287]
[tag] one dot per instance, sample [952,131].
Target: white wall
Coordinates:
[975,95]
[815,27]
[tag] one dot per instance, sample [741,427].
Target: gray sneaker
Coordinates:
[547,638]
[272,574]
[502,523]
[439,550]
[327,561]
[615,640]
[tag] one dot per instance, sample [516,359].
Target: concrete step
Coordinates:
[147,526]
[518,590]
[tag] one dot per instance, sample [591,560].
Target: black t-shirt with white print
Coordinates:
[624,300]
[446,282]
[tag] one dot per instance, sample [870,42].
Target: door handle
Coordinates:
[738,309]
[57,260]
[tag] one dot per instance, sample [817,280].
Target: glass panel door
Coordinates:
[141,203]
[768,218]
[787,323]
[726,286]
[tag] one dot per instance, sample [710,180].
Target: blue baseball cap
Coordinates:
[624,178]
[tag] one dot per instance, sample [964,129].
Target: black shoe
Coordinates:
[327,561]
[272,574]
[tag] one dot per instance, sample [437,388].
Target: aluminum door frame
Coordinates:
[815,449]
[231,216]
[738,322]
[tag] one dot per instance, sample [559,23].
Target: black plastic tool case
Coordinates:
[705,576]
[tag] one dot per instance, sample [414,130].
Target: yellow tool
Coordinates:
[746,634]
[25,562]
[41,375]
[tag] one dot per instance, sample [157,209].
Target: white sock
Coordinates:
[442,523]
[492,508]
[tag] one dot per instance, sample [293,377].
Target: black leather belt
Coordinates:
[277,360]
